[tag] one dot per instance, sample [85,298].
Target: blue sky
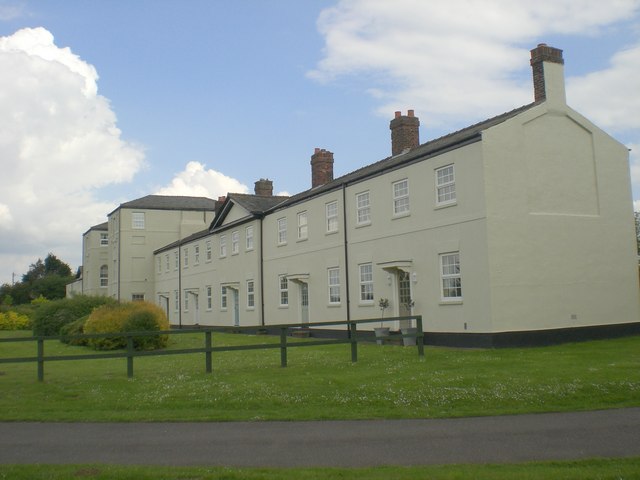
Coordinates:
[107,101]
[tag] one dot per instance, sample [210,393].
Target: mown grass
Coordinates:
[619,469]
[321,382]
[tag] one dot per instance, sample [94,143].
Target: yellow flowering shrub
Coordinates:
[14,321]
[127,317]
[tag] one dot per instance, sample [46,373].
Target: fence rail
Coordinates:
[284,344]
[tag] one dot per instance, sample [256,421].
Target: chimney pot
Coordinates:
[547,80]
[321,167]
[405,132]
[264,187]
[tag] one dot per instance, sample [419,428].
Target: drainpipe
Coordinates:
[261,268]
[346,251]
[179,287]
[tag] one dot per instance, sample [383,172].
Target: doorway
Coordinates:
[304,302]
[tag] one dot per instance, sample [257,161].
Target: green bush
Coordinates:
[144,321]
[14,321]
[127,317]
[50,317]
[75,328]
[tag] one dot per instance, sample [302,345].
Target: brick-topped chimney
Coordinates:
[405,133]
[548,73]
[321,167]
[264,188]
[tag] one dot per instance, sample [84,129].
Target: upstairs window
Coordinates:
[282,231]
[209,251]
[223,245]
[332,217]
[104,239]
[249,238]
[401,197]
[303,229]
[445,186]
[235,243]
[167,262]
[196,255]
[363,209]
[137,220]
[186,258]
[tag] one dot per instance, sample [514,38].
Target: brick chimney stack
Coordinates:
[321,167]
[548,73]
[405,134]
[264,188]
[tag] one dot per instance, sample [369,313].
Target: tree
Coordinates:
[46,278]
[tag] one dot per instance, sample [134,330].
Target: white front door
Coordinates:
[304,302]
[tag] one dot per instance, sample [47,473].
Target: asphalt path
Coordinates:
[503,439]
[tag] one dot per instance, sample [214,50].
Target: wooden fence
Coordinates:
[208,348]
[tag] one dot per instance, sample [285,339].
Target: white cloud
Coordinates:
[451,60]
[196,180]
[611,97]
[11,11]
[58,143]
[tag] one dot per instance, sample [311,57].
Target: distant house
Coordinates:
[515,230]
[139,227]
[95,258]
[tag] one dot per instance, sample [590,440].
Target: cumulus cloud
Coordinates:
[58,143]
[618,109]
[457,59]
[199,181]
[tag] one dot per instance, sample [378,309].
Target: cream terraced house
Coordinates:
[213,277]
[95,254]
[516,230]
[139,227]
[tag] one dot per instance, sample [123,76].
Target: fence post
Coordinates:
[129,356]
[354,343]
[420,336]
[283,346]
[207,345]
[40,359]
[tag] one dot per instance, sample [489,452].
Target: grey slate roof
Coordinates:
[255,204]
[103,227]
[182,241]
[170,202]
[431,148]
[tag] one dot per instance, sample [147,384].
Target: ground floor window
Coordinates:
[137,297]
[334,285]
[284,291]
[450,276]
[366,282]
[251,299]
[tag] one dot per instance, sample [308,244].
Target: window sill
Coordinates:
[332,232]
[400,215]
[363,225]
[445,205]
[302,240]
[450,302]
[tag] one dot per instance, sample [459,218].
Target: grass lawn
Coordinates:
[619,469]
[322,383]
